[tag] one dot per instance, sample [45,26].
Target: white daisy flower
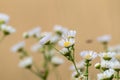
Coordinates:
[4,18]
[18,47]
[45,39]
[106,75]
[57,61]
[88,55]
[54,39]
[34,32]
[104,38]
[70,34]
[107,56]
[64,51]
[36,47]
[105,64]
[7,29]
[59,29]
[26,62]
[66,42]
[115,65]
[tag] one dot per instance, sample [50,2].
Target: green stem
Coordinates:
[37,74]
[117,75]
[86,72]
[75,67]
[105,47]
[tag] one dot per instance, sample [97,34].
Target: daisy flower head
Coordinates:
[7,29]
[45,38]
[34,32]
[18,47]
[67,42]
[60,30]
[54,39]
[106,75]
[88,55]
[97,65]
[71,34]
[56,61]
[36,47]
[65,51]
[26,62]
[4,18]
[104,38]
[107,56]
[115,65]
[105,64]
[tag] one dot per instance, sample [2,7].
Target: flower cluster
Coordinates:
[4,28]
[47,45]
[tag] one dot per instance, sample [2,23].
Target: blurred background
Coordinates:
[90,18]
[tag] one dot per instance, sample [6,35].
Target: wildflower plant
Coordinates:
[5,29]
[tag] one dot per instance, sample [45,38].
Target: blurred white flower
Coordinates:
[80,66]
[26,62]
[60,30]
[57,61]
[115,48]
[7,29]
[106,75]
[64,51]
[54,39]
[4,18]
[105,64]
[107,56]
[36,47]
[115,65]
[45,39]
[70,34]
[88,55]
[66,42]
[18,47]
[34,32]
[104,38]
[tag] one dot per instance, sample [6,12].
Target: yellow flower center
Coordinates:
[88,56]
[66,44]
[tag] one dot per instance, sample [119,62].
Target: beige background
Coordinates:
[90,18]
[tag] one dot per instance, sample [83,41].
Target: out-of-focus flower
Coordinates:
[65,51]
[46,38]
[104,38]
[88,55]
[107,56]
[56,61]
[75,75]
[34,32]
[4,18]
[115,65]
[36,47]
[18,47]
[115,48]
[60,30]
[67,42]
[70,34]
[105,64]
[106,75]
[54,39]
[26,62]
[80,66]
[7,29]
[97,65]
